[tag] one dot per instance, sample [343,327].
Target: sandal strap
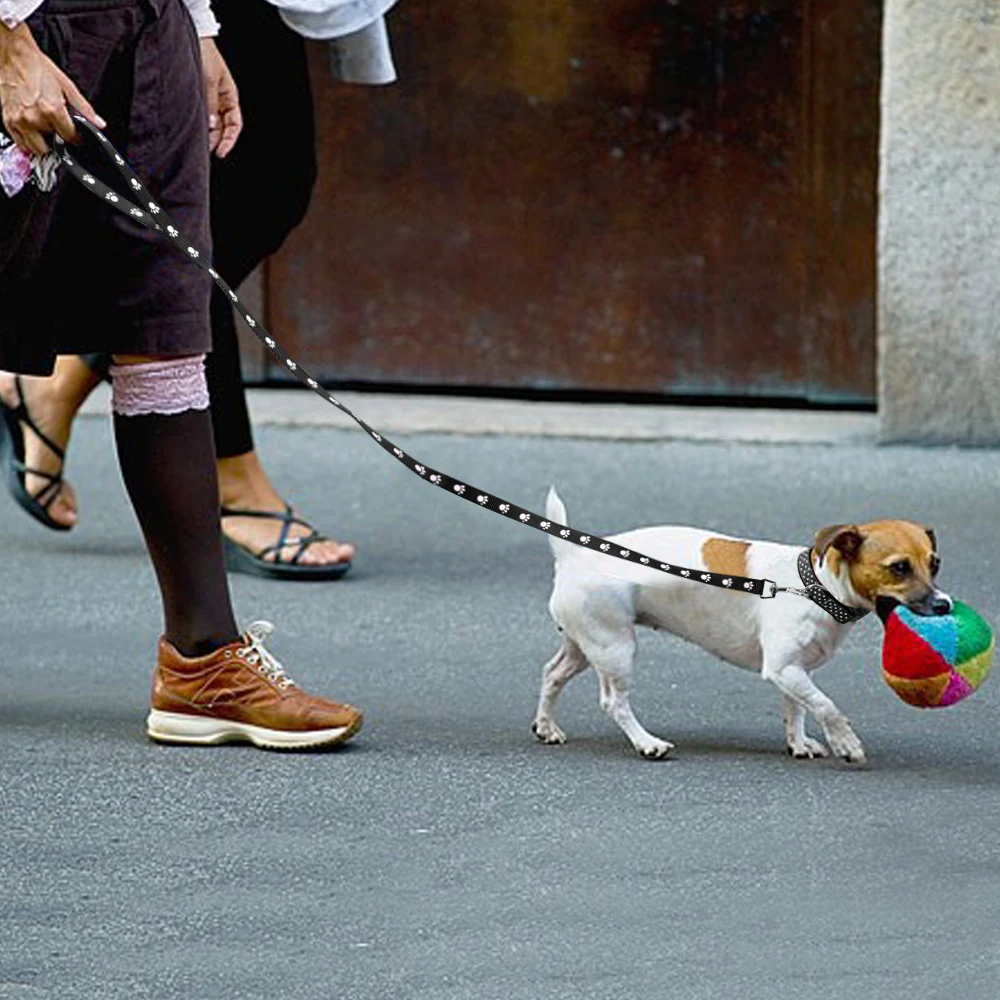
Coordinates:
[21,413]
[287,519]
[49,493]
[288,515]
[53,477]
[301,544]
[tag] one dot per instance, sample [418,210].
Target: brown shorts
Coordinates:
[75,275]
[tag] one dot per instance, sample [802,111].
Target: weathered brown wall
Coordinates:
[626,195]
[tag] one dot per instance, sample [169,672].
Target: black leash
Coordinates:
[152,216]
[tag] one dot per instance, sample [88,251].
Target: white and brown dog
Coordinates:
[597,602]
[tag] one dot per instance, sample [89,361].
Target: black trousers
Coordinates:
[75,275]
[259,192]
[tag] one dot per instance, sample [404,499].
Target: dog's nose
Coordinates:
[936,603]
[941,605]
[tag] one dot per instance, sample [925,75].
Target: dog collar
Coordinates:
[818,594]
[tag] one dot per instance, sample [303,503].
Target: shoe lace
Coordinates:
[257,655]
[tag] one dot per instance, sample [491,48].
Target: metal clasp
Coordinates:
[775,589]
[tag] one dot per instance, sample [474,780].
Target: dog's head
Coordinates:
[884,563]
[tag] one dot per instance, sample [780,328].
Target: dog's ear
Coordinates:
[932,537]
[845,538]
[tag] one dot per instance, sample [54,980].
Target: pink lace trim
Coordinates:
[165,387]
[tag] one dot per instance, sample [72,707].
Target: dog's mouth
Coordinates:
[931,605]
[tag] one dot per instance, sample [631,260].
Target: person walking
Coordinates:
[78,277]
[262,533]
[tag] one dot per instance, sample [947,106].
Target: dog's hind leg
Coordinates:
[614,665]
[565,665]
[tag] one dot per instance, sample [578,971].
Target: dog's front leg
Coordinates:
[800,746]
[795,683]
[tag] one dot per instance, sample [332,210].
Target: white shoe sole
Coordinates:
[173,727]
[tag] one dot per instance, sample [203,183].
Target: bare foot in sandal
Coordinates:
[38,416]
[269,532]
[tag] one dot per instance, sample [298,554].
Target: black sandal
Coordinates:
[14,469]
[241,559]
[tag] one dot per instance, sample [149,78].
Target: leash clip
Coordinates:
[775,589]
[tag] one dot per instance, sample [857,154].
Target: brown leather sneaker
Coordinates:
[241,692]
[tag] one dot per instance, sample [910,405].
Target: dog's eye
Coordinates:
[935,565]
[900,568]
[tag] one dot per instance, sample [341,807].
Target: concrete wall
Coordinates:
[939,229]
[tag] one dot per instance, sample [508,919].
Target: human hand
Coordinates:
[225,121]
[34,93]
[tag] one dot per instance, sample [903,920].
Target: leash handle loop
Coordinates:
[151,215]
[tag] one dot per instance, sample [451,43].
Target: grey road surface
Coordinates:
[445,855]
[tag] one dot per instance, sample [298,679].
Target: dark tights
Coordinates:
[168,464]
[178,510]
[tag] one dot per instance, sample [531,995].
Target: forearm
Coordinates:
[15,44]
[13,12]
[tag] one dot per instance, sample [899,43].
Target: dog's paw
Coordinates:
[807,749]
[844,742]
[548,732]
[655,749]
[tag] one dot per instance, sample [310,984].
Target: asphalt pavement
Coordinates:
[444,855]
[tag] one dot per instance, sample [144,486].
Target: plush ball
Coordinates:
[937,660]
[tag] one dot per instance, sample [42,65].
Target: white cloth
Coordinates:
[205,21]
[13,12]
[326,19]
[363,57]
[356,30]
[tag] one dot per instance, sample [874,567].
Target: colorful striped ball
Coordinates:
[937,660]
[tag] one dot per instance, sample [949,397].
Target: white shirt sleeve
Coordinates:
[327,19]
[205,22]
[13,12]
[363,57]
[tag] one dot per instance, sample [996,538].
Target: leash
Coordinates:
[153,217]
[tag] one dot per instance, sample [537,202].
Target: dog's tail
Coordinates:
[555,510]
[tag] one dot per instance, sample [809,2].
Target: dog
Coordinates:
[597,604]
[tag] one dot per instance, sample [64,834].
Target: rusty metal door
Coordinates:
[630,196]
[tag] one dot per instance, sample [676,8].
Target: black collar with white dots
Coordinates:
[818,594]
